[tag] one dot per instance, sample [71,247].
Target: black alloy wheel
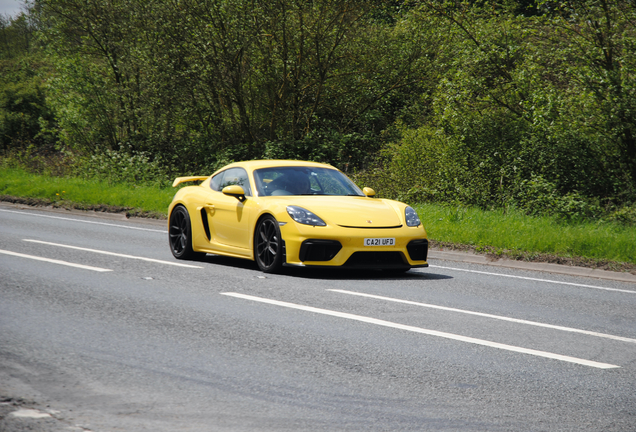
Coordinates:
[268,245]
[180,234]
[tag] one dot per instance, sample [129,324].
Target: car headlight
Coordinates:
[303,216]
[412,219]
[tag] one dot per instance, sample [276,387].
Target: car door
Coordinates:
[229,218]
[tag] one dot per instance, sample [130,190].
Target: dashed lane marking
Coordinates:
[85,221]
[30,413]
[445,335]
[54,261]
[114,254]
[485,315]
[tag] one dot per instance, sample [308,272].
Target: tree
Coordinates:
[23,107]
[515,102]
[207,80]
[597,38]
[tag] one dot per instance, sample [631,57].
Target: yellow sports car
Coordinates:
[292,213]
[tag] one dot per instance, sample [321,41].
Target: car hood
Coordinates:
[359,212]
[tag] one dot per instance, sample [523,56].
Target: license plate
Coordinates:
[379,242]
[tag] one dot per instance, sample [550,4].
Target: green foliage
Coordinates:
[625,215]
[341,150]
[16,35]
[519,118]
[124,167]
[40,160]
[501,104]
[26,119]
[538,196]
[415,168]
[597,38]
[22,106]
[202,77]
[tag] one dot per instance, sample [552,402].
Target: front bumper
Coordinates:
[344,247]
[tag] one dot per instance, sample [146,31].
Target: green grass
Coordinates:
[511,231]
[20,183]
[515,231]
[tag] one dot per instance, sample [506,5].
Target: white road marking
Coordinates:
[114,254]
[534,279]
[426,331]
[499,317]
[85,221]
[54,261]
[29,413]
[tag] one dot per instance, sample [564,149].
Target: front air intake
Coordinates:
[418,249]
[376,260]
[319,250]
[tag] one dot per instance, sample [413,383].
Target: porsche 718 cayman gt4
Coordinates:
[292,213]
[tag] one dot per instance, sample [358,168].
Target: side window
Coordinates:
[232,176]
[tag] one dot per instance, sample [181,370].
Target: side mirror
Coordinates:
[368,192]
[236,191]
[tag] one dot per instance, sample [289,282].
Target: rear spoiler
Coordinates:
[180,180]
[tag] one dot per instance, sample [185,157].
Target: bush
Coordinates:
[537,196]
[123,167]
[23,113]
[410,167]
[497,164]
[625,215]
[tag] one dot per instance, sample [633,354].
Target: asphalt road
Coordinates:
[102,330]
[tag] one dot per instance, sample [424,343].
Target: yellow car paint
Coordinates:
[226,222]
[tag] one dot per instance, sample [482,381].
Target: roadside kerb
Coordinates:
[435,254]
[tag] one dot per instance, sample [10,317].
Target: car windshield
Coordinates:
[303,181]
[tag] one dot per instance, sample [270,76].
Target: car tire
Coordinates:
[180,234]
[268,245]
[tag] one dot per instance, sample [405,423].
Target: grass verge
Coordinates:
[511,234]
[518,236]
[84,194]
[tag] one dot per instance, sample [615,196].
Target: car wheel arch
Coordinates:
[280,258]
[259,218]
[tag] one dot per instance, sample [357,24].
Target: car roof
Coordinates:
[257,164]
